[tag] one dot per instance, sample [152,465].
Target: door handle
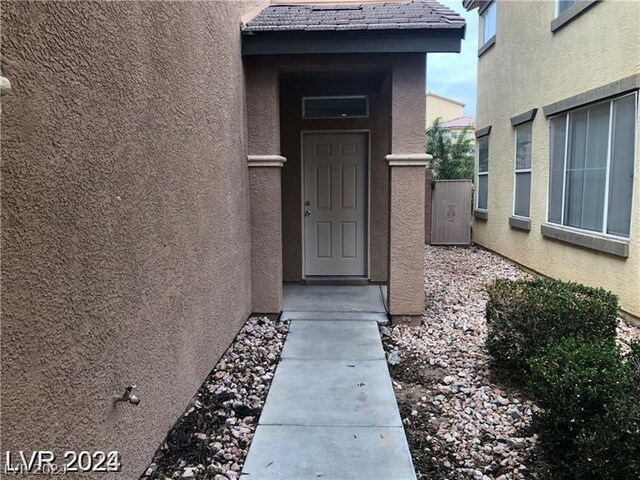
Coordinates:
[307,213]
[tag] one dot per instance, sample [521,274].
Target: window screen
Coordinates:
[483,172]
[522,195]
[592,154]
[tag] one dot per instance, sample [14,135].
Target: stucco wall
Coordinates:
[530,67]
[408,103]
[406,283]
[263,106]
[443,108]
[266,240]
[292,90]
[125,227]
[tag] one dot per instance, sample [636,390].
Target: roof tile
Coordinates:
[415,14]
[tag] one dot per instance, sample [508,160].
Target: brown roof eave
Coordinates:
[404,40]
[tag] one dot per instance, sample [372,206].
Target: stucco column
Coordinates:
[407,167]
[265,165]
[406,237]
[266,233]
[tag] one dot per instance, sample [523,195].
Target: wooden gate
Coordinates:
[451,212]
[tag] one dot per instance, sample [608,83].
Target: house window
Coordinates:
[488,22]
[522,189]
[563,5]
[592,156]
[335,107]
[483,172]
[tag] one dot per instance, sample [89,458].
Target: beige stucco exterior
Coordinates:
[125,218]
[438,106]
[530,67]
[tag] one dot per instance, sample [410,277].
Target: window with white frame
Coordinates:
[522,182]
[592,156]
[488,22]
[483,172]
[563,5]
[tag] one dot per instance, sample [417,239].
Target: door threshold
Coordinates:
[336,280]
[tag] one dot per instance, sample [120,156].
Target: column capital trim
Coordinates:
[265,160]
[408,159]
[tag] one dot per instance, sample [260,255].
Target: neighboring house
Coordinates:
[445,108]
[557,188]
[457,126]
[167,165]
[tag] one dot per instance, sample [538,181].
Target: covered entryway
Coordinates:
[335,203]
[336,103]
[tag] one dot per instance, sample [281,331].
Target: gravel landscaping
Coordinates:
[212,437]
[461,421]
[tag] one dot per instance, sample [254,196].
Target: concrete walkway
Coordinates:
[331,413]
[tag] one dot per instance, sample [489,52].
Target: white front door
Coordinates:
[335,203]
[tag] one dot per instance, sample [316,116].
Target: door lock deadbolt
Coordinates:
[307,203]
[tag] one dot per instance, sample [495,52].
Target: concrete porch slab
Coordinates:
[328,453]
[333,340]
[381,318]
[323,298]
[326,393]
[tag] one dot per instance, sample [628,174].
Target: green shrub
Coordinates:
[524,316]
[633,361]
[589,426]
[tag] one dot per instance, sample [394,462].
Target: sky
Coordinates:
[453,75]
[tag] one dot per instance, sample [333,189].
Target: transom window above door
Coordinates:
[335,107]
[592,153]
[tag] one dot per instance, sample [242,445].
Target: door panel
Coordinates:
[335,188]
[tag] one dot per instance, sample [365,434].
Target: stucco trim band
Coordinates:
[612,89]
[266,160]
[571,14]
[483,132]
[481,214]
[487,45]
[524,117]
[408,159]
[611,246]
[520,223]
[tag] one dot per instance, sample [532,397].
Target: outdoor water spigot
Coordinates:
[129,396]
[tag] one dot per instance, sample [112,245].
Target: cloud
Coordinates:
[454,75]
